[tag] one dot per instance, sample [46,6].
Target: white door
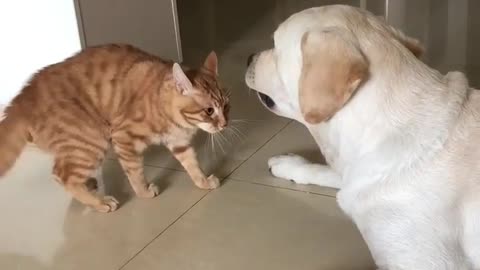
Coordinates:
[33,34]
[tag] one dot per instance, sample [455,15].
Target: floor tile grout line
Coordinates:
[186,211]
[234,169]
[166,168]
[258,149]
[163,231]
[284,188]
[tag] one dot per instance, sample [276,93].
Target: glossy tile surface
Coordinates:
[43,228]
[253,221]
[296,139]
[247,226]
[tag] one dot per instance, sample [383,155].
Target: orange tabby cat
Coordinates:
[119,95]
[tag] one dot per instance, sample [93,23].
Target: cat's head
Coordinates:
[208,102]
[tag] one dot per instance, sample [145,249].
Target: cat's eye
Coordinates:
[209,110]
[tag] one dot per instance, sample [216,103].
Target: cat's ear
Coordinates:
[183,84]
[211,63]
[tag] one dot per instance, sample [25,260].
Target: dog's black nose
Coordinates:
[250,59]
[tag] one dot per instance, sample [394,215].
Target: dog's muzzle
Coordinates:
[264,99]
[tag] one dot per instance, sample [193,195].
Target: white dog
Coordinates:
[401,140]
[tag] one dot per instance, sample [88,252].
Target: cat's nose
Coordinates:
[223,124]
[250,59]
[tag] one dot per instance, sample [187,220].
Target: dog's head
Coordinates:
[321,56]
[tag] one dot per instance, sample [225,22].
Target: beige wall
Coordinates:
[148,24]
[224,24]
[448,28]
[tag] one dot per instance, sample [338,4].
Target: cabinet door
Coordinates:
[149,24]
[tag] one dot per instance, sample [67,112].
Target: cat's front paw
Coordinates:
[107,204]
[286,166]
[211,182]
[151,191]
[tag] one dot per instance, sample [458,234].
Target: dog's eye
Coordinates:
[209,111]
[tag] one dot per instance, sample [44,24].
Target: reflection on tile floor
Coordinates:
[293,139]
[253,221]
[247,226]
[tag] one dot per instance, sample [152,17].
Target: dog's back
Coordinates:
[464,152]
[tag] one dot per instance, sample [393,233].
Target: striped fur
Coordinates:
[112,95]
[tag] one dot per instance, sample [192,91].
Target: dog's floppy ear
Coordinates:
[333,68]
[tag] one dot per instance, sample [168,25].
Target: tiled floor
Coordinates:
[253,221]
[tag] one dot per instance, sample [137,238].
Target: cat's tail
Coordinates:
[14,136]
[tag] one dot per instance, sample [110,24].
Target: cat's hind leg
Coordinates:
[74,173]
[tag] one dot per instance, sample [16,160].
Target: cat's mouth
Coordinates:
[266,100]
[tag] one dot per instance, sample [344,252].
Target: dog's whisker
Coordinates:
[250,92]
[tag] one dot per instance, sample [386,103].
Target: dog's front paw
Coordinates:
[287,167]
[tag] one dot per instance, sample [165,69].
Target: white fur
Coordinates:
[404,151]
[300,170]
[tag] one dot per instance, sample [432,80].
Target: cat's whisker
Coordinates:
[213,145]
[229,130]
[211,141]
[239,132]
[219,143]
[207,142]
[235,133]
[246,121]
[222,137]
[228,93]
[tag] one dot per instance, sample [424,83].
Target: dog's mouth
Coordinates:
[266,100]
